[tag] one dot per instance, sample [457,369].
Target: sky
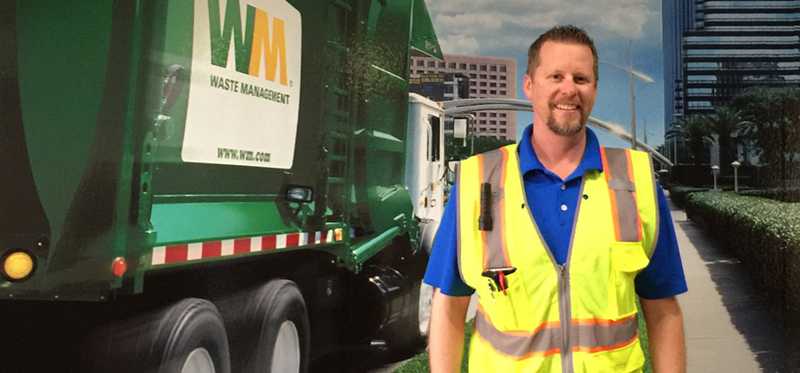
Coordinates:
[506,28]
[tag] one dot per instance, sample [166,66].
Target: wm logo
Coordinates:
[259,46]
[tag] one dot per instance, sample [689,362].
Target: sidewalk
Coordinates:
[728,327]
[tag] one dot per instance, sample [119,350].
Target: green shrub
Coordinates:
[779,194]
[765,235]
[678,193]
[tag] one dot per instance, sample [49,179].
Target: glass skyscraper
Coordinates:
[715,49]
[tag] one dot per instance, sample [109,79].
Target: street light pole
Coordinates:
[632,74]
[633,96]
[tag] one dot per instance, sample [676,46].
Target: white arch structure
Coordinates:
[469,105]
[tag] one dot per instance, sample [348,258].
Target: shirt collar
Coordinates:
[528,161]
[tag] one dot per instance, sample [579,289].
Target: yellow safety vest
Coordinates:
[535,315]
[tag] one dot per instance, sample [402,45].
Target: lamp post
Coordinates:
[736,165]
[715,172]
[632,74]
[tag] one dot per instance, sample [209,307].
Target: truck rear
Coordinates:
[213,185]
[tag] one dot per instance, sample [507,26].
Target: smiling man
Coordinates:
[558,237]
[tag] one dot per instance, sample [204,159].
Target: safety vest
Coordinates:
[535,315]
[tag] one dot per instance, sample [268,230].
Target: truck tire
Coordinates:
[185,337]
[190,338]
[409,335]
[269,329]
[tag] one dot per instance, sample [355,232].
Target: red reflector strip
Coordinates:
[184,252]
[292,240]
[241,245]
[212,249]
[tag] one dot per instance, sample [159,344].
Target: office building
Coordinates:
[713,50]
[488,77]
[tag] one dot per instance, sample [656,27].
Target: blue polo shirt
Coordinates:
[553,202]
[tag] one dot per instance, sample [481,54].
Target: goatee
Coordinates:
[566,130]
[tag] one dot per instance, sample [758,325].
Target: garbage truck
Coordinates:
[214,185]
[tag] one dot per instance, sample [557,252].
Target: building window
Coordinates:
[493,68]
[431,63]
[420,63]
[483,84]
[494,122]
[472,67]
[502,115]
[493,115]
[483,91]
[481,114]
[493,77]
[503,92]
[441,65]
[502,85]
[492,84]
[494,92]
[502,68]
[483,76]
[473,91]
[473,76]
[451,65]
[482,122]
[472,83]
[483,67]
[502,77]
[462,66]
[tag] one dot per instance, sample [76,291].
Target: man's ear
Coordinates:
[527,86]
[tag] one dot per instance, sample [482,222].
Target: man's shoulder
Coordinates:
[633,152]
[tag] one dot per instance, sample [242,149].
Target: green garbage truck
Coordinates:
[214,185]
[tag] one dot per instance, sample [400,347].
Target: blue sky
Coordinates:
[506,28]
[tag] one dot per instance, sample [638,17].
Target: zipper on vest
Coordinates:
[566,318]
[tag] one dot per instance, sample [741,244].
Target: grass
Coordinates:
[419,363]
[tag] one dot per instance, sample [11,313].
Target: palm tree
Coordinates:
[773,121]
[696,133]
[725,122]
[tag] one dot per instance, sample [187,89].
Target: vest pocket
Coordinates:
[628,256]
[499,306]
[627,259]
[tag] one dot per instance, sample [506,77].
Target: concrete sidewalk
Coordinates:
[728,326]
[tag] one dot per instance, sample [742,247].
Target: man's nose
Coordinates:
[568,87]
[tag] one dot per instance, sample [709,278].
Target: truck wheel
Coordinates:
[269,329]
[191,338]
[186,337]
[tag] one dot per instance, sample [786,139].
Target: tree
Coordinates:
[456,151]
[773,121]
[725,121]
[696,133]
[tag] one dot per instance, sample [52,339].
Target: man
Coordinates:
[557,236]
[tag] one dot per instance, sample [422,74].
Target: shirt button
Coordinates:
[563,207]
[563,186]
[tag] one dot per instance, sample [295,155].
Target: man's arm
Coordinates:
[665,332]
[446,340]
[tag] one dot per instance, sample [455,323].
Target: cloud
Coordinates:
[465,26]
[459,44]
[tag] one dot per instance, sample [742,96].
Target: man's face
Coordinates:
[562,88]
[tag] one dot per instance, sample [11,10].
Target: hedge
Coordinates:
[787,195]
[678,194]
[765,235]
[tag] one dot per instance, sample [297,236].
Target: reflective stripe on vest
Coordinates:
[617,168]
[585,335]
[495,163]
